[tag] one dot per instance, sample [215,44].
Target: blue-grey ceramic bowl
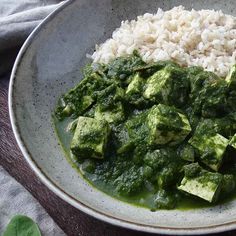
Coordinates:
[49,64]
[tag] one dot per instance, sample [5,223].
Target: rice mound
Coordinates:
[204,38]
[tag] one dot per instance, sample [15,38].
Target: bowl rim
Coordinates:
[58,190]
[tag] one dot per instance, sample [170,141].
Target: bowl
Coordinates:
[48,64]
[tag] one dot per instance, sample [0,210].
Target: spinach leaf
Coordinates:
[22,226]
[122,67]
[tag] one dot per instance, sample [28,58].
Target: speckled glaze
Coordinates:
[49,64]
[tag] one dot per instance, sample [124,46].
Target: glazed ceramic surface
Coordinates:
[47,66]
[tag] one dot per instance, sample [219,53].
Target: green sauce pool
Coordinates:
[143,199]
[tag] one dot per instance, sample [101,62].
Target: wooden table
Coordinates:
[71,220]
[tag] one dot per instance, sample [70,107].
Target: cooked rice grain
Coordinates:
[204,38]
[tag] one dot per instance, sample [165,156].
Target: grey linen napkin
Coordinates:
[17,19]
[15,199]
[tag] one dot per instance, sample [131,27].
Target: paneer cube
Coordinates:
[86,102]
[108,97]
[232,141]
[169,86]
[122,141]
[112,115]
[134,91]
[231,75]
[201,183]
[90,138]
[213,99]
[167,125]
[211,148]
[80,98]
[155,85]
[135,86]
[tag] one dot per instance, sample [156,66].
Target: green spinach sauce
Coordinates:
[156,135]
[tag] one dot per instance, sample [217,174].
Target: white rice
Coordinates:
[204,38]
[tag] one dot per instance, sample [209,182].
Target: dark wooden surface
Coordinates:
[71,220]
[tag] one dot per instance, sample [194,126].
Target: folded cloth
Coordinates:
[17,19]
[15,199]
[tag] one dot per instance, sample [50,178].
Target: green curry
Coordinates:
[157,135]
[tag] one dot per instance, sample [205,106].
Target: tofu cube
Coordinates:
[202,183]
[167,125]
[211,148]
[90,138]
[112,115]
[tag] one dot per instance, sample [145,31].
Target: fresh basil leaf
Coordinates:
[22,226]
